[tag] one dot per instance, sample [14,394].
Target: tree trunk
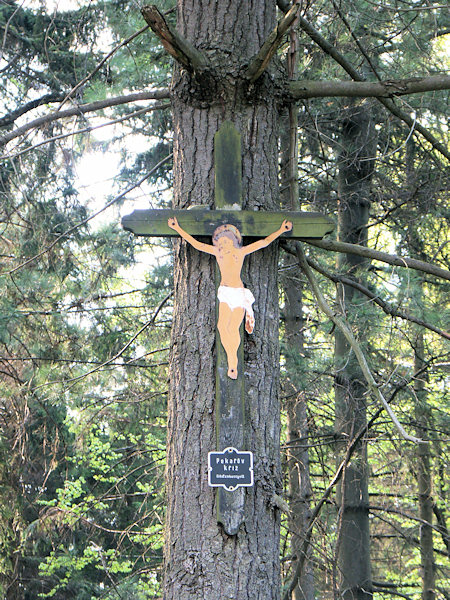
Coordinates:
[297,419]
[422,464]
[423,474]
[201,561]
[353,545]
[297,442]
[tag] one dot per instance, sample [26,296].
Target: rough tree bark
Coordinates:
[422,413]
[355,171]
[201,561]
[297,419]
[297,434]
[423,474]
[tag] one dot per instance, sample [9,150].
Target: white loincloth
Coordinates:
[239,298]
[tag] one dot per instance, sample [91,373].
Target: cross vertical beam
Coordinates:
[230,393]
[230,406]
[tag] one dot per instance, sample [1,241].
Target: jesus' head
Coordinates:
[229,231]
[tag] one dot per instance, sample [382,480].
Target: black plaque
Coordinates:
[230,469]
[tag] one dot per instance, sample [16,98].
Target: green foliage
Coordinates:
[82,414]
[408,216]
[83,409]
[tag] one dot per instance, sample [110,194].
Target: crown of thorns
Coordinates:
[229,231]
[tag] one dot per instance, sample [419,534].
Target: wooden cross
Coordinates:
[230,392]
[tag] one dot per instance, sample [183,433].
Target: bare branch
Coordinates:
[368,89]
[391,259]
[353,444]
[175,44]
[442,526]
[129,363]
[302,554]
[385,306]
[386,102]
[388,590]
[258,63]
[88,129]
[15,114]
[412,123]
[127,345]
[420,8]
[297,90]
[158,94]
[397,511]
[340,324]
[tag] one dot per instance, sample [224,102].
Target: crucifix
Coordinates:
[235,301]
[226,224]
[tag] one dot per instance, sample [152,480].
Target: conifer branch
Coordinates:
[299,90]
[137,113]
[391,259]
[361,48]
[374,297]
[112,360]
[356,348]
[87,219]
[157,94]
[386,102]
[9,118]
[175,44]
[100,64]
[258,63]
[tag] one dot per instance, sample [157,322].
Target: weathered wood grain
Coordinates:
[230,393]
[203,222]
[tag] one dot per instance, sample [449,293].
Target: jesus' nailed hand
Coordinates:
[235,301]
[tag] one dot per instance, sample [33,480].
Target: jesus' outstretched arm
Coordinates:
[173,224]
[285,226]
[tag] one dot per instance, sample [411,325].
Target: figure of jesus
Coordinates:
[235,301]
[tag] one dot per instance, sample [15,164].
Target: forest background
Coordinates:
[86,310]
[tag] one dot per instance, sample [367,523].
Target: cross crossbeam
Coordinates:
[200,221]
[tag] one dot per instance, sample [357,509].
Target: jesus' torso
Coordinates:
[230,261]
